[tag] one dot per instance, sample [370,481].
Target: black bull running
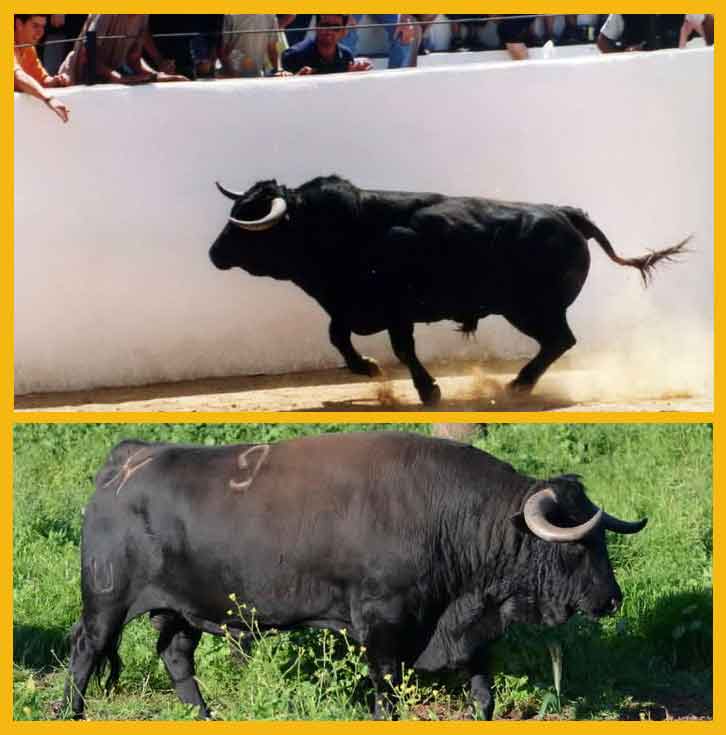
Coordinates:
[424,550]
[383,260]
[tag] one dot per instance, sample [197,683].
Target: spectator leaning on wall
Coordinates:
[29,29]
[249,45]
[399,31]
[642,32]
[700,24]
[60,34]
[29,76]
[120,42]
[323,54]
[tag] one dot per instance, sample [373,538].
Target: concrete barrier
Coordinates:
[115,211]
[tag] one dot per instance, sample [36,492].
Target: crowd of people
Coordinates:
[139,49]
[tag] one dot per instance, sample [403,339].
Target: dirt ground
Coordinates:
[464,387]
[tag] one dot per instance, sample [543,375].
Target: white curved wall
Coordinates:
[115,211]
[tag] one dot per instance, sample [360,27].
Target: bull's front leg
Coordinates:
[356,363]
[405,350]
[481,682]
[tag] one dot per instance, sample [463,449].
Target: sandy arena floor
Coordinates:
[464,387]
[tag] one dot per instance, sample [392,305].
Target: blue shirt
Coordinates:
[306,53]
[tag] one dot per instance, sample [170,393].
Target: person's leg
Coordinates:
[399,53]
[350,39]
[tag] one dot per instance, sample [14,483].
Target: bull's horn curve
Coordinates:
[228,192]
[535,516]
[611,523]
[276,213]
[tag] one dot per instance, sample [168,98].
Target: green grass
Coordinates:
[651,660]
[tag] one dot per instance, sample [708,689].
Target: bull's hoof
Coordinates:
[431,396]
[367,366]
[516,388]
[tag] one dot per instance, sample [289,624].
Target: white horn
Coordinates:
[276,213]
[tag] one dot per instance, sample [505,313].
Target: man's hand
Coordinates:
[305,71]
[360,64]
[59,108]
[164,77]
[59,80]
[140,78]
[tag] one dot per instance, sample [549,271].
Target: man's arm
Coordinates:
[23,82]
[605,45]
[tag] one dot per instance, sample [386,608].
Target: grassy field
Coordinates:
[651,661]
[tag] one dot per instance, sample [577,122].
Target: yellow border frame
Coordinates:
[8,417]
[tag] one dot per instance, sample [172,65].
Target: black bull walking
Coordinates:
[383,260]
[424,550]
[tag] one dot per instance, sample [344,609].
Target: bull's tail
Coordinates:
[645,263]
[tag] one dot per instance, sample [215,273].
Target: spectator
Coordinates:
[399,31]
[119,58]
[513,33]
[23,82]
[701,24]
[463,35]
[249,45]
[323,54]
[570,33]
[205,45]
[60,34]
[29,29]
[174,51]
[419,44]
[639,32]
[296,27]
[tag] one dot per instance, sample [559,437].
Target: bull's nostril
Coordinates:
[614,604]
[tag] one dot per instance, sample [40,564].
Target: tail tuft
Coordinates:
[647,263]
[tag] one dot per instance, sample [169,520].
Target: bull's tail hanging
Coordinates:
[645,263]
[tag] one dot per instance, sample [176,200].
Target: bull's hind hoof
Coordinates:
[367,366]
[431,396]
[516,388]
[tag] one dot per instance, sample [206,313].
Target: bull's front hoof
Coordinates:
[367,366]
[515,388]
[431,396]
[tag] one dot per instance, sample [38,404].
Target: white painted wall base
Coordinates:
[114,212]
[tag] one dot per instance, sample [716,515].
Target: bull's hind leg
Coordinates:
[554,336]
[405,350]
[94,639]
[176,645]
[356,363]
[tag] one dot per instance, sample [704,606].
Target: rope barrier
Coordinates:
[348,27]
